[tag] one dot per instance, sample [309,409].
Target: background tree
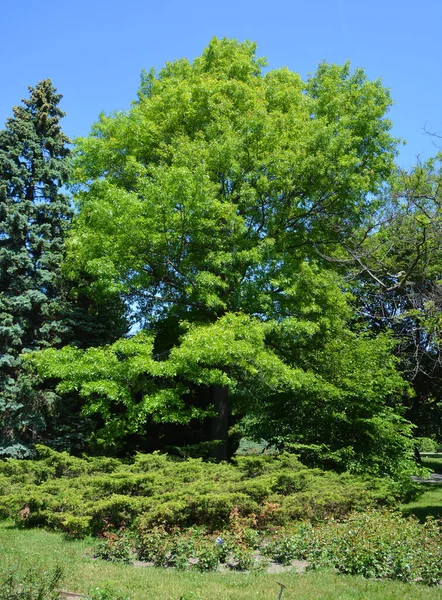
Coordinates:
[34,215]
[38,307]
[203,204]
[395,266]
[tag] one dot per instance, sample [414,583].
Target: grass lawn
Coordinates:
[430,503]
[22,548]
[432,461]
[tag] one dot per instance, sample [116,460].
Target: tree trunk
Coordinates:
[417,456]
[220,423]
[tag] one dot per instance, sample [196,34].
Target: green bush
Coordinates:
[386,545]
[179,548]
[115,546]
[80,495]
[243,559]
[154,545]
[207,555]
[71,525]
[426,444]
[285,547]
[105,594]
[375,545]
[196,548]
[35,584]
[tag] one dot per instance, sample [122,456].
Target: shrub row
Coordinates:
[377,544]
[81,495]
[191,548]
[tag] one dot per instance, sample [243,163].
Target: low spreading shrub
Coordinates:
[80,495]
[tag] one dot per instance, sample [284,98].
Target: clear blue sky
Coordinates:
[94,50]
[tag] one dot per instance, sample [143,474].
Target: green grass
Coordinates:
[427,505]
[433,462]
[23,548]
[431,454]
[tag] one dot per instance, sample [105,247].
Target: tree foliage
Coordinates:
[34,215]
[205,205]
[207,194]
[39,306]
[396,276]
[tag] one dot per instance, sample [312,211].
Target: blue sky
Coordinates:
[94,50]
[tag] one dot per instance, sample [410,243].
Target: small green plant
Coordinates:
[183,548]
[283,549]
[35,584]
[114,545]
[289,545]
[105,594]
[242,558]
[153,545]
[208,558]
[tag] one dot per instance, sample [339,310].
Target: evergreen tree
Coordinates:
[34,215]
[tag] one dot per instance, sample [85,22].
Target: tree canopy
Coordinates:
[209,206]
[394,264]
[39,307]
[208,193]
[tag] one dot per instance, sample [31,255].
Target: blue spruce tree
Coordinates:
[34,216]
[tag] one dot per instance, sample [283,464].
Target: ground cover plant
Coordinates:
[376,544]
[83,575]
[84,495]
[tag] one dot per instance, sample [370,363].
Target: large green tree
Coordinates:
[33,218]
[307,383]
[205,204]
[39,307]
